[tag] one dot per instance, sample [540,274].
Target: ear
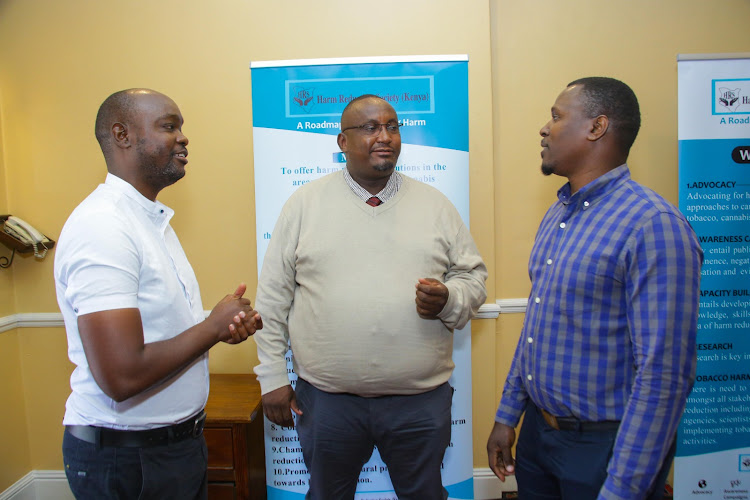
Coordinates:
[599,127]
[341,141]
[120,135]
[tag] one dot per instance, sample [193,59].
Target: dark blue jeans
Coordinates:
[175,471]
[337,433]
[569,465]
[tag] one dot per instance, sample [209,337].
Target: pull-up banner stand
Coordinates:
[297,107]
[713,447]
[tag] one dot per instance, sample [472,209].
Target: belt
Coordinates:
[190,428]
[574,424]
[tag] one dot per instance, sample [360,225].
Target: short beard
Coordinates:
[168,175]
[384,167]
[547,169]
[159,176]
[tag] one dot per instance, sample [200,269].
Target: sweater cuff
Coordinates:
[270,378]
[453,315]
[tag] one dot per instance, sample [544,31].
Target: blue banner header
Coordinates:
[286,98]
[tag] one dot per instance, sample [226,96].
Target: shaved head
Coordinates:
[120,107]
[353,104]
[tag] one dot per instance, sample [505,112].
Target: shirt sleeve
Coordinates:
[513,402]
[273,301]
[663,262]
[103,264]
[465,281]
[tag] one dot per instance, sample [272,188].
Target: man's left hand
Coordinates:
[432,296]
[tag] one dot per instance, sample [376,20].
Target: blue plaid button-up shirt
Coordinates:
[610,326]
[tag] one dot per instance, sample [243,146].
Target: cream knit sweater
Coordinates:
[339,277]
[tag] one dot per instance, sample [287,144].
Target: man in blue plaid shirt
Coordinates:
[606,357]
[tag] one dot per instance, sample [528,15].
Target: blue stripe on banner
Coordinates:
[459,491]
[277,494]
[462,490]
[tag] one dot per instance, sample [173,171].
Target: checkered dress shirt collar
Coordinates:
[388,192]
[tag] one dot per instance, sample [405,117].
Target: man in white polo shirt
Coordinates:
[134,318]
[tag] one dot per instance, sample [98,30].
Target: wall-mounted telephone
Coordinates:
[25,234]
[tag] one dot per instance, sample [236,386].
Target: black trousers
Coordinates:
[176,471]
[568,465]
[337,433]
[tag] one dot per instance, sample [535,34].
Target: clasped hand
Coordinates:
[234,317]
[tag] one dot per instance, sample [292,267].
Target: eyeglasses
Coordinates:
[374,128]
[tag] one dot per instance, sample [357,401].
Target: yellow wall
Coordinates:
[7,305]
[59,60]
[13,423]
[538,46]
[15,460]
[46,371]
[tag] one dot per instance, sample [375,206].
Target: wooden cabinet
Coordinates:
[234,436]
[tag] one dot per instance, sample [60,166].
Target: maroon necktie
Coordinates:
[374,201]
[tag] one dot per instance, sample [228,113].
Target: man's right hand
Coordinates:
[279,404]
[499,443]
[234,318]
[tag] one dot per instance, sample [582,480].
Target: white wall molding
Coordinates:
[510,306]
[40,320]
[8,323]
[55,319]
[52,485]
[488,311]
[31,320]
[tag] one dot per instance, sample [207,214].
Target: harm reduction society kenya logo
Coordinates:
[303,98]
[731,97]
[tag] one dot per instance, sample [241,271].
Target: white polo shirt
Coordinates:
[116,251]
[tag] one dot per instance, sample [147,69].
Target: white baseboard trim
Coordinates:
[39,485]
[488,486]
[23,489]
[52,485]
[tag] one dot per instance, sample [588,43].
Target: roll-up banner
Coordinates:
[297,107]
[713,447]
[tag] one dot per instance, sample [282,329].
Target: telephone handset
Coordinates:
[26,234]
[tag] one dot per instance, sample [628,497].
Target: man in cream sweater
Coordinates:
[368,273]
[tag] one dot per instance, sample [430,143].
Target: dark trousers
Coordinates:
[175,471]
[568,465]
[337,433]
